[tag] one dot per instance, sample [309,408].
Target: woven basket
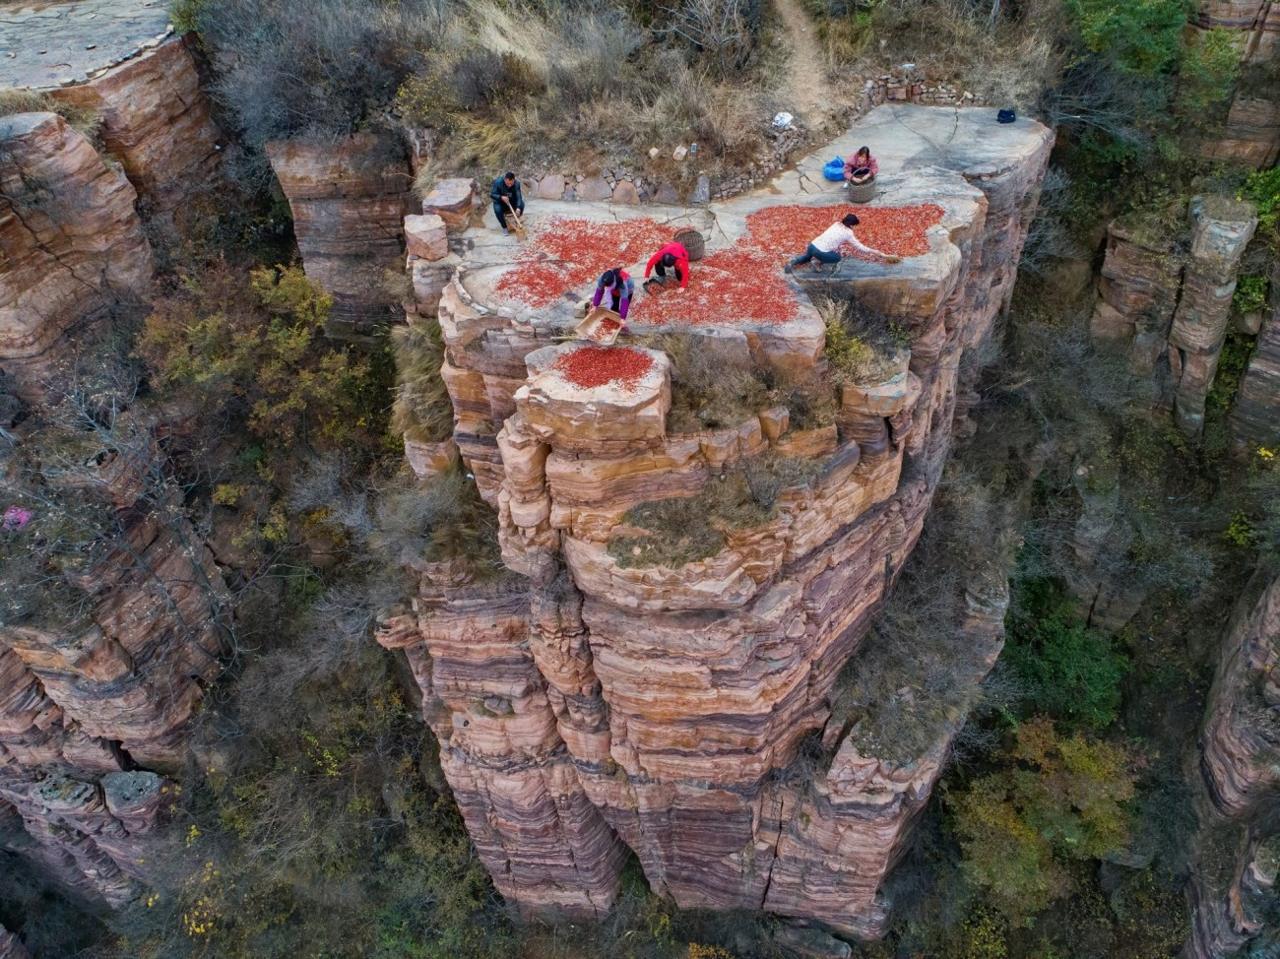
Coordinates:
[695,243]
[862,192]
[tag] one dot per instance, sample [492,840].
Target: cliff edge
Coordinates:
[653,671]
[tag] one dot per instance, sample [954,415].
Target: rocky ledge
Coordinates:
[616,690]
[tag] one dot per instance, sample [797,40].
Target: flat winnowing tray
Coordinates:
[601,325]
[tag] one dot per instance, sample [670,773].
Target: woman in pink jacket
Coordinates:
[861,167]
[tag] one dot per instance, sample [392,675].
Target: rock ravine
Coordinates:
[606,696]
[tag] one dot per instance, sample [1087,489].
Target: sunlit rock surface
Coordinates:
[72,239]
[156,121]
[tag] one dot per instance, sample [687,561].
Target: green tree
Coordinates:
[1208,71]
[1059,799]
[256,345]
[1142,37]
[1069,671]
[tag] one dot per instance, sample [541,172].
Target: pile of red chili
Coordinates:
[745,282]
[592,366]
[741,283]
[567,254]
[899,230]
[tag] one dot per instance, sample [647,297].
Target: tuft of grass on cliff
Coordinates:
[83,120]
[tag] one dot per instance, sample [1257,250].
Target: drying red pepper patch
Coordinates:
[592,366]
[737,285]
[565,254]
[899,230]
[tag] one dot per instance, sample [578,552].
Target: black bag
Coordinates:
[1006,116]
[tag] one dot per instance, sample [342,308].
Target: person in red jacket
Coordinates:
[670,255]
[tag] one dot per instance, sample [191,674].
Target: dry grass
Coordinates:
[862,346]
[1008,62]
[709,393]
[422,411]
[508,86]
[84,121]
[444,520]
[688,529]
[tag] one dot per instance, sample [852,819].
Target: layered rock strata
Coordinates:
[157,122]
[587,702]
[1168,305]
[349,200]
[72,240]
[104,660]
[1238,850]
[1255,415]
[92,834]
[1251,134]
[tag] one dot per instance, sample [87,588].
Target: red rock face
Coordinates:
[103,660]
[156,122]
[1237,768]
[588,705]
[1169,310]
[1251,136]
[1257,20]
[1236,752]
[72,240]
[93,835]
[349,200]
[79,706]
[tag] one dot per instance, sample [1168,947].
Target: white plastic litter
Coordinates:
[782,120]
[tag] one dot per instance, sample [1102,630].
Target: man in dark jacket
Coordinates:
[506,190]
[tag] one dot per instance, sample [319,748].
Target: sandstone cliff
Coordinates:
[1251,133]
[1164,296]
[110,630]
[72,240]
[1255,417]
[156,121]
[110,624]
[348,200]
[596,699]
[1238,849]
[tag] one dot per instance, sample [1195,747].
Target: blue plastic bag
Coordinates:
[834,170]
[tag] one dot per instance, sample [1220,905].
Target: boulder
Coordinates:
[452,200]
[430,459]
[594,188]
[550,187]
[425,236]
[626,192]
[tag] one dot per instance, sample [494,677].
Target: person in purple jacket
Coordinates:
[617,283]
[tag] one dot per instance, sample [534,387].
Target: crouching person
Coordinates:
[825,248]
[861,167]
[507,198]
[618,287]
[670,256]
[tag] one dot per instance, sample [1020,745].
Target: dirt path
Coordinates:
[806,79]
